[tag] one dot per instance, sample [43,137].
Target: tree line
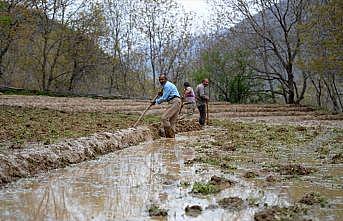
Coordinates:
[286,51]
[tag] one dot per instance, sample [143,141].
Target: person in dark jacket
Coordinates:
[202,98]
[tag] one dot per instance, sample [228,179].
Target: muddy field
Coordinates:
[269,113]
[254,162]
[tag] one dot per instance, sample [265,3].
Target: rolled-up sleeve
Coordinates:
[164,97]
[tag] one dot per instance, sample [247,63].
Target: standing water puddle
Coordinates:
[123,185]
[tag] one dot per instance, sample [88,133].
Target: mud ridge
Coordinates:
[29,161]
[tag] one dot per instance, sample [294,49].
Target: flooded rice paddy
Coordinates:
[203,175]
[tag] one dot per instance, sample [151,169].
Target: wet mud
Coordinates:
[294,169]
[156,211]
[313,198]
[19,163]
[234,203]
[154,181]
[270,162]
[194,210]
[293,213]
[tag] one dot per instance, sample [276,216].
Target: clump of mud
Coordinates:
[225,146]
[276,213]
[250,174]
[214,185]
[220,182]
[313,198]
[234,203]
[271,179]
[228,147]
[155,210]
[191,161]
[338,158]
[294,169]
[194,210]
[203,159]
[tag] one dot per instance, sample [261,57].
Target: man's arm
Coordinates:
[166,93]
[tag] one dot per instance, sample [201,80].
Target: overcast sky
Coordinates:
[201,10]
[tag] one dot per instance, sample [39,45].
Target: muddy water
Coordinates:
[123,185]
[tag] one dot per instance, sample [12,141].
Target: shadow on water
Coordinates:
[122,186]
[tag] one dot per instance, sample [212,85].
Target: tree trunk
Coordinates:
[43,65]
[337,92]
[318,89]
[290,84]
[73,76]
[265,64]
[332,96]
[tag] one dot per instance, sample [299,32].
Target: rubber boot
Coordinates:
[162,132]
[169,132]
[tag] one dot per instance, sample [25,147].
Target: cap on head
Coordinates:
[186,84]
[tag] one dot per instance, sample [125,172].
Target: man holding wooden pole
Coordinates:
[202,99]
[172,96]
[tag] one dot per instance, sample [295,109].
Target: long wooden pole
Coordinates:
[207,115]
[146,109]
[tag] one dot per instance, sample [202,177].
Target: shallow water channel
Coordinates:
[124,184]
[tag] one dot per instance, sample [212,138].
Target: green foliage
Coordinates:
[204,188]
[239,89]
[200,74]
[5,20]
[229,74]
[155,210]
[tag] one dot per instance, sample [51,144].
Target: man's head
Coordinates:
[186,84]
[162,79]
[205,82]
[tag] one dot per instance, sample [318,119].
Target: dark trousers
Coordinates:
[202,111]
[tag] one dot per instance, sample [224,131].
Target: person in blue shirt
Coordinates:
[171,95]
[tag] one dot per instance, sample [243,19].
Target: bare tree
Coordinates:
[13,15]
[167,31]
[322,51]
[270,27]
[53,18]
[83,42]
[120,22]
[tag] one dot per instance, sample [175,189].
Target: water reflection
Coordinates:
[121,185]
[116,186]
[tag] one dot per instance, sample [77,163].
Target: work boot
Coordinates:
[169,132]
[162,132]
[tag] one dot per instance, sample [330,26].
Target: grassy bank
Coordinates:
[278,148]
[20,126]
